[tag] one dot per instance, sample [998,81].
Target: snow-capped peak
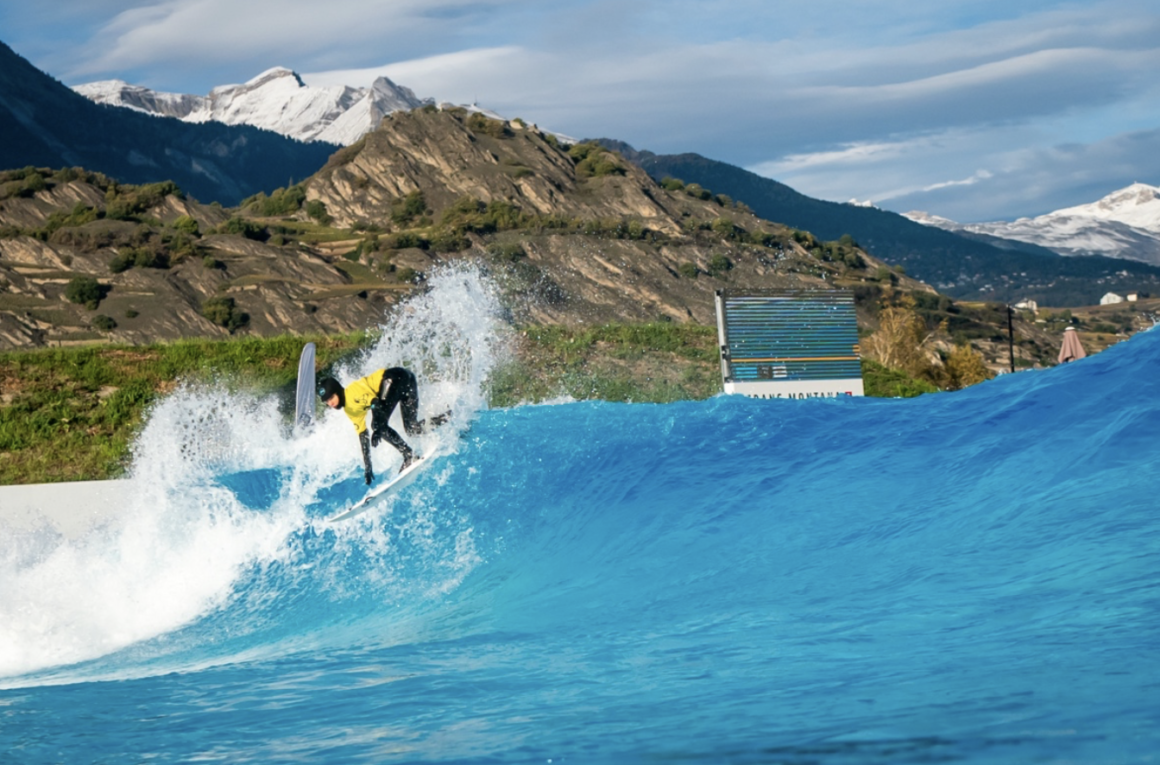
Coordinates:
[927,219]
[1124,224]
[1137,205]
[277,99]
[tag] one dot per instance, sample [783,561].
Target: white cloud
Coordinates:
[882,99]
[440,73]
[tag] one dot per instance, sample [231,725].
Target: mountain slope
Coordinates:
[276,100]
[1125,224]
[961,266]
[44,123]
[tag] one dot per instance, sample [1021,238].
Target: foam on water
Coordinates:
[225,495]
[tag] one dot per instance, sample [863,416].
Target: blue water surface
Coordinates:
[962,577]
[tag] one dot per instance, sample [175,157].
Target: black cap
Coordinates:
[327,387]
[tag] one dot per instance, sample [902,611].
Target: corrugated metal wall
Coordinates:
[790,335]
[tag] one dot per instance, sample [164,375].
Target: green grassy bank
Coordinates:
[69,414]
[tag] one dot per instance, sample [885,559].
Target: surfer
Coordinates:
[379,393]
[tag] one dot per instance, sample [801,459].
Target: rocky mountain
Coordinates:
[1125,224]
[46,124]
[276,100]
[159,266]
[960,263]
[570,234]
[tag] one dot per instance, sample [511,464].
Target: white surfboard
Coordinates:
[400,481]
[304,401]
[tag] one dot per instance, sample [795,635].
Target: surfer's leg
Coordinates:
[388,434]
[408,398]
[398,389]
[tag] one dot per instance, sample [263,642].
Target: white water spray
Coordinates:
[179,547]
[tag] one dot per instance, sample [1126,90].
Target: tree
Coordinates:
[104,323]
[84,290]
[965,367]
[898,341]
[224,312]
[187,224]
[316,209]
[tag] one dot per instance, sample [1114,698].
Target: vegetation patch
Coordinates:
[70,414]
[224,312]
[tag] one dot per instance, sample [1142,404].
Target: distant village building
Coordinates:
[1028,305]
[1133,297]
[1111,298]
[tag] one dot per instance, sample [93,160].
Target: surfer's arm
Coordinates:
[364,441]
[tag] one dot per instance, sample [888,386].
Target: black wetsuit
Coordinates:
[400,389]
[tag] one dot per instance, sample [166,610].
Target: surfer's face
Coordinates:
[332,402]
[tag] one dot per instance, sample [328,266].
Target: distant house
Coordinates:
[1028,305]
[1111,298]
[1133,297]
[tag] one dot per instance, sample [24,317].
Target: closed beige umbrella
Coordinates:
[1071,348]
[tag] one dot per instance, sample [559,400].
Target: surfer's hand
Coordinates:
[375,438]
[370,476]
[376,403]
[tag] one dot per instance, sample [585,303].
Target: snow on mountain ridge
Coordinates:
[121,93]
[1124,224]
[277,100]
[1137,205]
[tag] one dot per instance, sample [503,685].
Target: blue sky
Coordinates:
[970,109]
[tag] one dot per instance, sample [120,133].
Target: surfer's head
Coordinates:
[330,392]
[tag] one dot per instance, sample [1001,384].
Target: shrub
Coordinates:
[405,274]
[223,312]
[122,261]
[131,314]
[146,258]
[129,202]
[213,263]
[316,209]
[965,367]
[688,270]
[104,323]
[84,290]
[33,182]
[406,209]
[898,341]
[479,123]
[694,190]
[672,184]
[581,151]
[506,253]
[449,240]
[719,264]
[593,160]
[404,240]
[280,202]
[724,228]
[248,229]
[187,224]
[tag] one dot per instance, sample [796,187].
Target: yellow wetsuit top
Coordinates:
[358,396]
